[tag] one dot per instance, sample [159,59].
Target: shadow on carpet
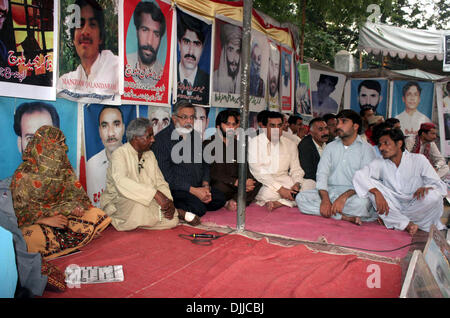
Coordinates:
[370,237]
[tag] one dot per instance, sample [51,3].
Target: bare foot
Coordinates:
[272,205]
[231,205]
[412,228]
[181,215]
[353,219]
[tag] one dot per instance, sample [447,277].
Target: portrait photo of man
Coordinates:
[111,129]
[227,77]
[193,81]
[98,70]
[274,71]
[20,118]
[29,117]
[257,84]
[369,94]
[411,118]
[201,121]
[321,100]
[159,117]
[286,75]
[150,25]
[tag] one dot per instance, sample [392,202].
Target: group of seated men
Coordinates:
[328,169]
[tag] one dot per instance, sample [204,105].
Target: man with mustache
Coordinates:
[369,95]
[310,150]
[136,195]
[150,26]
[256,82]
[222,149]
[403,187]
[273,161]
[111,130]
[274,71]
[193,82]
[227,78]
[98,72]
[178,149]
[334,195]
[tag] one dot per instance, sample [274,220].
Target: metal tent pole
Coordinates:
[245,100]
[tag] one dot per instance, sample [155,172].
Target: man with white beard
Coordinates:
[178,150]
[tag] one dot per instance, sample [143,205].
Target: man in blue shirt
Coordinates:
[335,195]
[178,150]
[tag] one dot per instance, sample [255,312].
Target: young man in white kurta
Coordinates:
[275,164]
[402,185]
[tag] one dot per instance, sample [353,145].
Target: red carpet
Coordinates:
[161,264]
[289,222]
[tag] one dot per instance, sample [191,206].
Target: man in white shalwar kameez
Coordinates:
[403,187]
[273,161]
[334,195]
[137,195]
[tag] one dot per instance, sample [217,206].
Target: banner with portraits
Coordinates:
[412,104]
[443,106]
[104,132]
[28,47]
[326,92]
[369,93]
[286,79]
[147,50]
[19,120]
[193,62]
[273,76]
[89,61]
[302,90]
[227,64]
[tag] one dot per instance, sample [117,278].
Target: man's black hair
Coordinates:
[293,119]
[187,22]
[409,85]
[370,84]
[110,107]
[272,114]
[315,120]
[222,117]
[353,116]
[260,116]
[154,11]
[98,16]
[395,134]
[28,108]
[328,116]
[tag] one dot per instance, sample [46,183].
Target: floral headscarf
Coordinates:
[45,183]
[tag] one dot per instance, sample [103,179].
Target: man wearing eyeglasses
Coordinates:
[193,83]
[178,149]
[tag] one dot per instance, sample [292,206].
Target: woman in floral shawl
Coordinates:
[53,210]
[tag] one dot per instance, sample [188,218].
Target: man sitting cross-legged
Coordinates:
[223,150]
[136,195]
[273,161]
[403,187]
[334,195]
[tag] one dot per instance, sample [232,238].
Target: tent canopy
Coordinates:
[379,38]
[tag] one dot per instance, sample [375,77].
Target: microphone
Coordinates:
[203,236]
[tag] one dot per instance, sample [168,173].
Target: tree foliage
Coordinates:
[332,26]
